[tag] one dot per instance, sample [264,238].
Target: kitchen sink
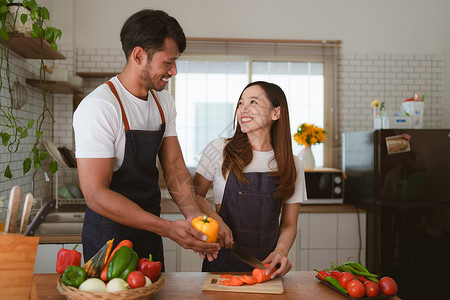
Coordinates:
[65,220]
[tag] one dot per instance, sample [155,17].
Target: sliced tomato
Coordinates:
[226,276]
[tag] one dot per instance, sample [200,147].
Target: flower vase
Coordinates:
[307,158]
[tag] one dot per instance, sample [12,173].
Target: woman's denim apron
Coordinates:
[252,213]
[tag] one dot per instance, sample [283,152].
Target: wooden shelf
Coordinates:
[56,87]
[28,47]
[96,74]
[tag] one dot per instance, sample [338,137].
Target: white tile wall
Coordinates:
[390,78]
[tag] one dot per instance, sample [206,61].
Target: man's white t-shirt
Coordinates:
[210,167]
[98,124]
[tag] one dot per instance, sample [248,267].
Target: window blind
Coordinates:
[254,50]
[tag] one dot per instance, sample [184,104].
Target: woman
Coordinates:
[255,177]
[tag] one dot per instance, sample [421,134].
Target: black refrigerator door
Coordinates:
[413,248]
[420,175]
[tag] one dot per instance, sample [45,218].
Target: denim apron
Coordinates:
[252,213]
[136,179]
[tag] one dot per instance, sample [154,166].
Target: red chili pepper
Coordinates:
[335,274]
[323,274]
[66,258]
[361,278]
[150,268]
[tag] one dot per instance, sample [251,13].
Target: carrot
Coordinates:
[236,281]
[259,275]
[225,282]
[226,276]
[247,279]
[104,274]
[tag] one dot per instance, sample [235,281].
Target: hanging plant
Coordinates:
[14,129]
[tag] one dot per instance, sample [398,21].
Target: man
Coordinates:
[120,128]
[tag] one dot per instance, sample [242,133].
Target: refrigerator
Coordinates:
[401,177]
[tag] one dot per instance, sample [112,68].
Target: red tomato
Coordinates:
[356,289]
[388,286]
[345,278]
[136,279]
[372,289]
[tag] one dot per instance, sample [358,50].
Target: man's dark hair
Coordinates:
[149,29]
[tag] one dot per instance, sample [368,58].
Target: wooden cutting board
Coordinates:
[274,286]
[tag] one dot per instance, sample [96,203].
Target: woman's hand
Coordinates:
[225,236]
[280,258]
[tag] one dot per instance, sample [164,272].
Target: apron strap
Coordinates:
[124,116]
[161,113]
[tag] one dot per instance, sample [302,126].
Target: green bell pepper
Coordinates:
[73,276]
[123,262]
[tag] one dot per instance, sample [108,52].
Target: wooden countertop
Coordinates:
[188,285]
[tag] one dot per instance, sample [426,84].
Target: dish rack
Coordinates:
[64,177]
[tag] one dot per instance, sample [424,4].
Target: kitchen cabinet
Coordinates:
[325,237]
[46,256]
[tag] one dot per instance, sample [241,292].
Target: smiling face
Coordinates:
[161,67]
[255,113]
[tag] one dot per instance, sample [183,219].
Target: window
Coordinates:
[212,74]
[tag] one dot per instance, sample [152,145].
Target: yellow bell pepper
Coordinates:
[208,226]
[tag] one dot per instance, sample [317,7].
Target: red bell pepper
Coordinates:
[150,268]
[66,258]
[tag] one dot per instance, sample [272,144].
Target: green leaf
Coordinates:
[25,3]
[23,18]
[26,165]
[8,173]
[38,134]
[3,9]
[5,138]
[30,123]
[37,162]
[4,34]
[24,134]
[19,129]
[53,166]
[50,35]
[45,14]
[34,35]
[43,155]
[54,46]
[34,14]
[32,4]
[36,27]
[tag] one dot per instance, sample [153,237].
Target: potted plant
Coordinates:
[13,129]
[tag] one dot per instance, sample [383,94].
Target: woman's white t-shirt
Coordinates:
[98,124]
[210,167]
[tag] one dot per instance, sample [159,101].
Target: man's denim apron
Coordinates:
[136,179]
[252,213]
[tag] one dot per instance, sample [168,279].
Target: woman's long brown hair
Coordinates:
[238,153]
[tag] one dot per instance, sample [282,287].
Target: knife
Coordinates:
[40,217]
[247,257]
[15,198]
[26,210]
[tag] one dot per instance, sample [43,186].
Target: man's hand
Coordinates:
[188,237]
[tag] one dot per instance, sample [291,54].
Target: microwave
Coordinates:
[324,186]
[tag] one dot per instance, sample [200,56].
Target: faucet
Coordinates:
[47,179]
